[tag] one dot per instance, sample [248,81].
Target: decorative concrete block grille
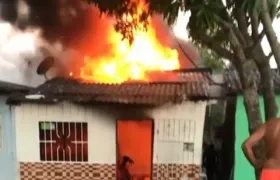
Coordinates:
[63,141]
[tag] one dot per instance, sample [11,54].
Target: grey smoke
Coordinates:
[31,30]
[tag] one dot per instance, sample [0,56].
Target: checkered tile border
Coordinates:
[75,171]
[67,171]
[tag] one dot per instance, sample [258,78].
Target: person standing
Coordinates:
[270,134]
[124,168]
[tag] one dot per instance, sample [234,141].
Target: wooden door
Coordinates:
[135,141]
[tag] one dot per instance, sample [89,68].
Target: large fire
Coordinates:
[130,61]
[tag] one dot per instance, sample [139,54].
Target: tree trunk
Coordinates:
[270,104]
[246,68]
[251,102]
[267,85]
[259,57]
[269,31]
[253,112]
[251,96]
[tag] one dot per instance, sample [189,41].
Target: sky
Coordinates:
[180,31]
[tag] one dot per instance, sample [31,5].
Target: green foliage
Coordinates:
[119,9]
[250,5]
[277,6]
[211,59]
[206,17]
[211,18]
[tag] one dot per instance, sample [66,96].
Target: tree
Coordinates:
[231,30]
[225,29]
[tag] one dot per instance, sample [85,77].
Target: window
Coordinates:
[63,141]
[188,146]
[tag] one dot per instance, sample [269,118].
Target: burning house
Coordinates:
[118,104]
[69,129]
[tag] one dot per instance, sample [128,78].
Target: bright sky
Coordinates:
[181,32]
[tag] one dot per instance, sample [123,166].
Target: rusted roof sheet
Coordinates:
[234,85]
[180,86]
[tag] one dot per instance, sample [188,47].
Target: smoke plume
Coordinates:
[28,26]
[66,29]
[30,30]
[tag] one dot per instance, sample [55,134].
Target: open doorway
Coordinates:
[134,149]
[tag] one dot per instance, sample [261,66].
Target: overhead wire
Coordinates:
[213,82]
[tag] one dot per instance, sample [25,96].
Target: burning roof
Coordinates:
[181,85]
[108,57]
[102,55]
[105,56]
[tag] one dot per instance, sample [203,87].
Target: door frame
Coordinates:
[152,141]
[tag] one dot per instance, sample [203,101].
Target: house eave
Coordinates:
[58,99]
[7,88]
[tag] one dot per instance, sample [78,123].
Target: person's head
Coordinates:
[127,161]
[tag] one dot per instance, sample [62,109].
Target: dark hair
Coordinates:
[127,159]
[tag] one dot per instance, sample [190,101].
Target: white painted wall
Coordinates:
[8,161]
[100,130]
[174,125]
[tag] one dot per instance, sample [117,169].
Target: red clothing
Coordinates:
[270,174]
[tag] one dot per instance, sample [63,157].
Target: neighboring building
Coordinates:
[7,131]
[65,129]
[236,112]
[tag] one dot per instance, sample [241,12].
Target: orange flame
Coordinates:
[130,61]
